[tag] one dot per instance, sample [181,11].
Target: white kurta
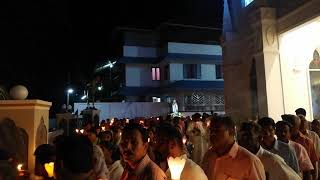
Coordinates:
[275,167]
[197,135]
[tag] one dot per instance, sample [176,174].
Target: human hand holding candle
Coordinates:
[176,166]
[49,168]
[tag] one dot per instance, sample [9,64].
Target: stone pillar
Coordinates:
[33,117]
[270,93]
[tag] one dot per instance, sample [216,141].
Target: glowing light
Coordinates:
[70,91]
[103,128]
[77,130]
[83,97]
[184,140]
[82,131]
[19,167]
[49,168]
[176,166]
[100,88]
[247,2]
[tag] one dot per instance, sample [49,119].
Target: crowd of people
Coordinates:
[214,147]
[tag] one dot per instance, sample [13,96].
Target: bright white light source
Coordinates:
[100,88]
[70,91]
[247,2]
[19,167]
[83,97]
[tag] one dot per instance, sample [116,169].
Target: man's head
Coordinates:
[44,153]
[250,136]
[315,126]
[169,141]
[294,121]
[111,152]
[196,117]
[92,135]
[301,111]
[134,143]
[283,131]
[268,130]
[74,156]
[304,124]
[222,131]
[106,136]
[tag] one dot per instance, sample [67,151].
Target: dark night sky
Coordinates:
[72,35]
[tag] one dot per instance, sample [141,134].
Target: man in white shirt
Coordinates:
[112,158]
[276,169]
[169,143]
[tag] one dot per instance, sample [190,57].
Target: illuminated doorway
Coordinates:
[314,74]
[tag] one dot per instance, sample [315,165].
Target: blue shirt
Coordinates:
[287,153]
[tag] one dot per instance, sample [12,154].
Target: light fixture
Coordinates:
[83,97]
[70,90]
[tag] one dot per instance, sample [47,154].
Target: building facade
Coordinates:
[271,57]
[161,69]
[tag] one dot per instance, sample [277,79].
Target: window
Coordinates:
[219,74]
[247,2]
[166,72]
[192,71]
[155,73]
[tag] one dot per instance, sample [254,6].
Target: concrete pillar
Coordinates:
[33,117]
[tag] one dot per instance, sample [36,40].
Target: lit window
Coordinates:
[155,74]
[247,2]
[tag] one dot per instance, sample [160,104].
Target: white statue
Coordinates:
[174,106]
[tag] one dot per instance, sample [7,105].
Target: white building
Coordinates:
[157,68]
[271,57]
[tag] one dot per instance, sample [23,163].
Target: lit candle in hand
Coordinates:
[49,168]
[184,140]
[176,166]
[19,167]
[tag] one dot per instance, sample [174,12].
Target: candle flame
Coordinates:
[103,128]
[49,168]
[82,131]
[184,140]
[19,167]
[77,130]
[176,166]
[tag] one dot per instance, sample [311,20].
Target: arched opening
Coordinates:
[314,74]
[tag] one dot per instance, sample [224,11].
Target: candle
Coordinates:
[111,122]
[77,131]
[176,166]
[103,128]
[127,121]
[148,140]
[208,123]
[82,131]
[157,119]
[184,140]
[19,167]
[49,168]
